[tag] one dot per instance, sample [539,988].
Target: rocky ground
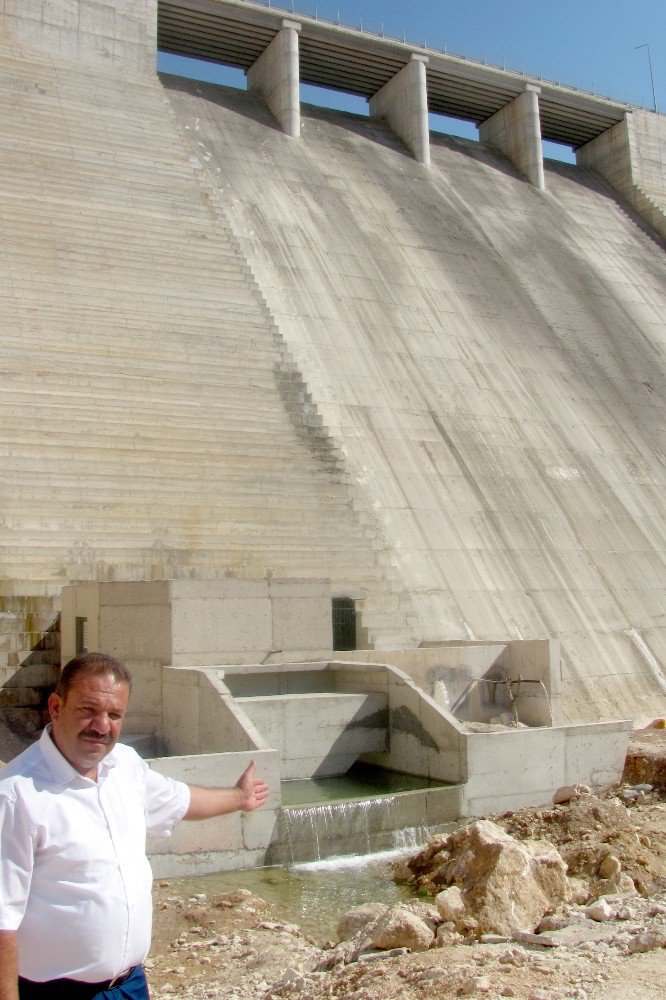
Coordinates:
[565,901]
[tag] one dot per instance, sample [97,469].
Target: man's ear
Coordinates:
[54,703]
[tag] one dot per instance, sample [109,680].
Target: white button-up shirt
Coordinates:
[75,883]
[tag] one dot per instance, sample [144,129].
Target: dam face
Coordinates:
[228,351]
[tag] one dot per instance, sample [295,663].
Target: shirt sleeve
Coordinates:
[167,801]
[17,848]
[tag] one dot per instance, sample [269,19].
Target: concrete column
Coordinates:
[516,131]
[403,103]
[275,78]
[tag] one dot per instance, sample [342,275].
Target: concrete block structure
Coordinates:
[231,354]
[193,623]
[430,713]
[315,720]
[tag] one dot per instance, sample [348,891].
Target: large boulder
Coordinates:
[379,928]
[358,918]
[401,928]
[503,886]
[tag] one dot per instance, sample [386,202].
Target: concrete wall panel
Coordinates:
[207,627]
[301,623]
[234,841]
[117,36]
[141,632]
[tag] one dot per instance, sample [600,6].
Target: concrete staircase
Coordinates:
[648,209]
[154,424]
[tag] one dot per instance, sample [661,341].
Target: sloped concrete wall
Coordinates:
[491,362]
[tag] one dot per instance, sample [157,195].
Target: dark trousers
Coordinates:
[134,987]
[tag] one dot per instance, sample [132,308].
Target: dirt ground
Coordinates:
[235,946]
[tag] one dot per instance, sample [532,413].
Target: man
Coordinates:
[75,883]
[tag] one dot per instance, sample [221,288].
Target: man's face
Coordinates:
[86,724]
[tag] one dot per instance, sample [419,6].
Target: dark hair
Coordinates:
[94,665]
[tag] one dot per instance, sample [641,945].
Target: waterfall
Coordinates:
[357,827]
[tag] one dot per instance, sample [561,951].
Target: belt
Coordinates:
[69,989]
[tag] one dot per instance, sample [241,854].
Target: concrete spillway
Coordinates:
[491,362]
[230,352]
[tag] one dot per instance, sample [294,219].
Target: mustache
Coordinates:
[92,734]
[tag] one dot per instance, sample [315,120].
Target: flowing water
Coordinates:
[346,812]
[362,781]
[314,895]
[363,812]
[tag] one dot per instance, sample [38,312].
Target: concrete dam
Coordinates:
[244,343]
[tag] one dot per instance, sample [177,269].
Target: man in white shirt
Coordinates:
[75,883]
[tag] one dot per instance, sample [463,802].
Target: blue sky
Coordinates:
[585,43]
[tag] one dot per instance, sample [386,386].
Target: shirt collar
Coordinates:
[60,767]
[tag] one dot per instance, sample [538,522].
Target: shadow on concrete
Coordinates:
[23,699]
[231,98]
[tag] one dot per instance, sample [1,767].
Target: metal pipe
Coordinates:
[646,45]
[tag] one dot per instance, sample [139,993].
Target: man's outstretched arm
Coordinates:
[8,966]
[247,794]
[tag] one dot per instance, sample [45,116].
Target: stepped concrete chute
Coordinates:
[154,423]
[492,365]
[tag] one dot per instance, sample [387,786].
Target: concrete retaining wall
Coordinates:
[509,770]
[236,841]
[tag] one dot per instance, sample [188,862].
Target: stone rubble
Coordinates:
[576,947]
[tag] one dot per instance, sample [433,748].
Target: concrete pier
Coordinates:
[403,103]
[274,77]
[516,131]
[630,157]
